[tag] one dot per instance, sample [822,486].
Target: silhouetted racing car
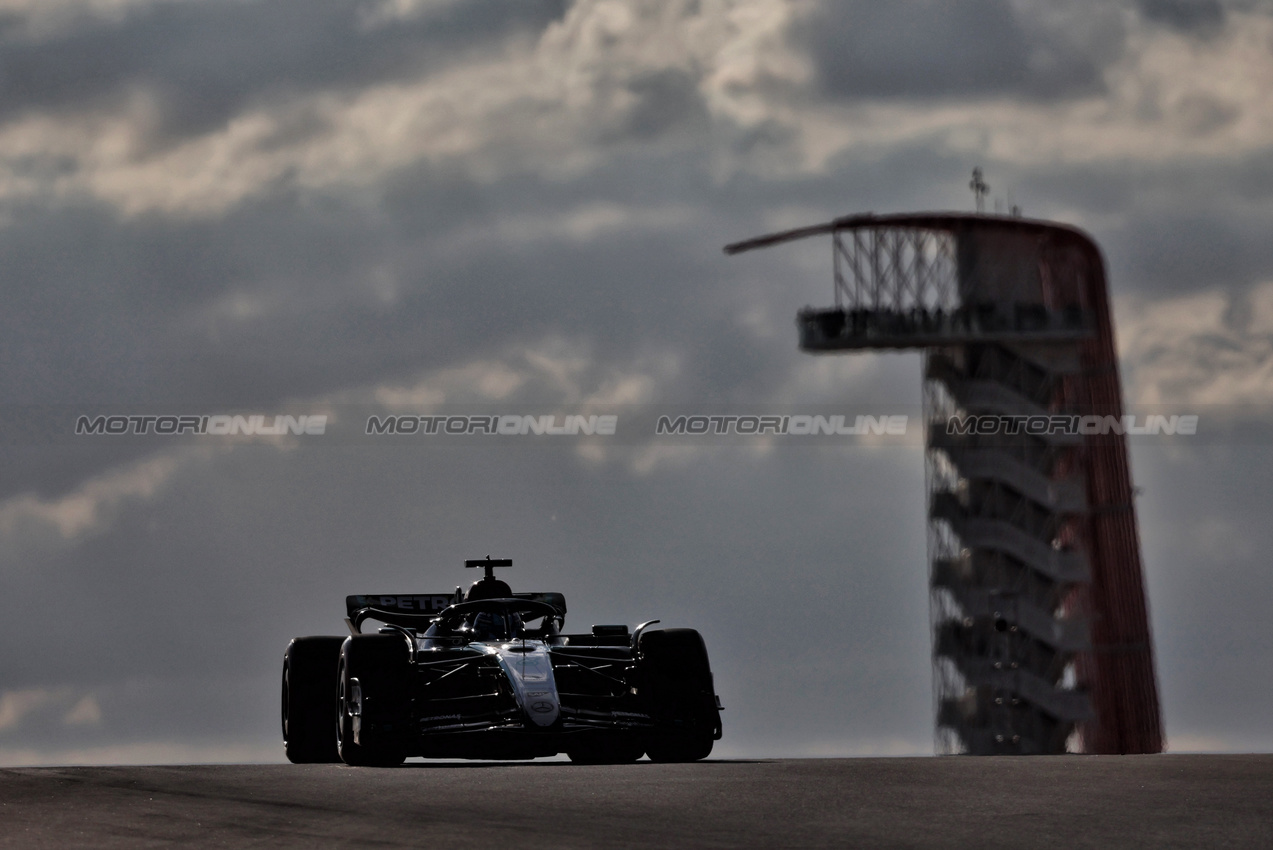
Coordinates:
[490,675]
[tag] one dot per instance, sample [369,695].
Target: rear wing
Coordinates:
[418,607]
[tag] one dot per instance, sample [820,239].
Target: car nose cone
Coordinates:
[529,669]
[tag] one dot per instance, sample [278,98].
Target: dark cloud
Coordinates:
[207,62]
[1202,18]
[141,309]
[925,50]
[1167,228]
[664,100]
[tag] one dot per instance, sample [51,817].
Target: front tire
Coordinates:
[678,680]
[309,682]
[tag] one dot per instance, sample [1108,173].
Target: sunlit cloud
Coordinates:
[1206,348]
[91,505]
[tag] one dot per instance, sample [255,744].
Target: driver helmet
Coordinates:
[493,625]
[488,588]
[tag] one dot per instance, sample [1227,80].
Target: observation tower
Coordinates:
[1040,631]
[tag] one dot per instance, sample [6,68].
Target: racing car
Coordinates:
[490,674]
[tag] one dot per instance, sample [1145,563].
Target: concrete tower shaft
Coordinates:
[1041,640]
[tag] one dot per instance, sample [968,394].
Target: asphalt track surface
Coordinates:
[1076,801]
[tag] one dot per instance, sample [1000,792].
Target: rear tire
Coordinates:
[309,685]
[377,735]
[682,699]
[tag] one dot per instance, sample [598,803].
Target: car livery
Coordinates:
[491,674]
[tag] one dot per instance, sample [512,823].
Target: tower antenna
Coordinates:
[979,189]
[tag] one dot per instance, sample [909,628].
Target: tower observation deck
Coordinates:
[1040,631]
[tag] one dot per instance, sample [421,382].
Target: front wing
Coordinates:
[462,704]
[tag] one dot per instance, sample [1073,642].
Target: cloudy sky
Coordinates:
[261,206]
